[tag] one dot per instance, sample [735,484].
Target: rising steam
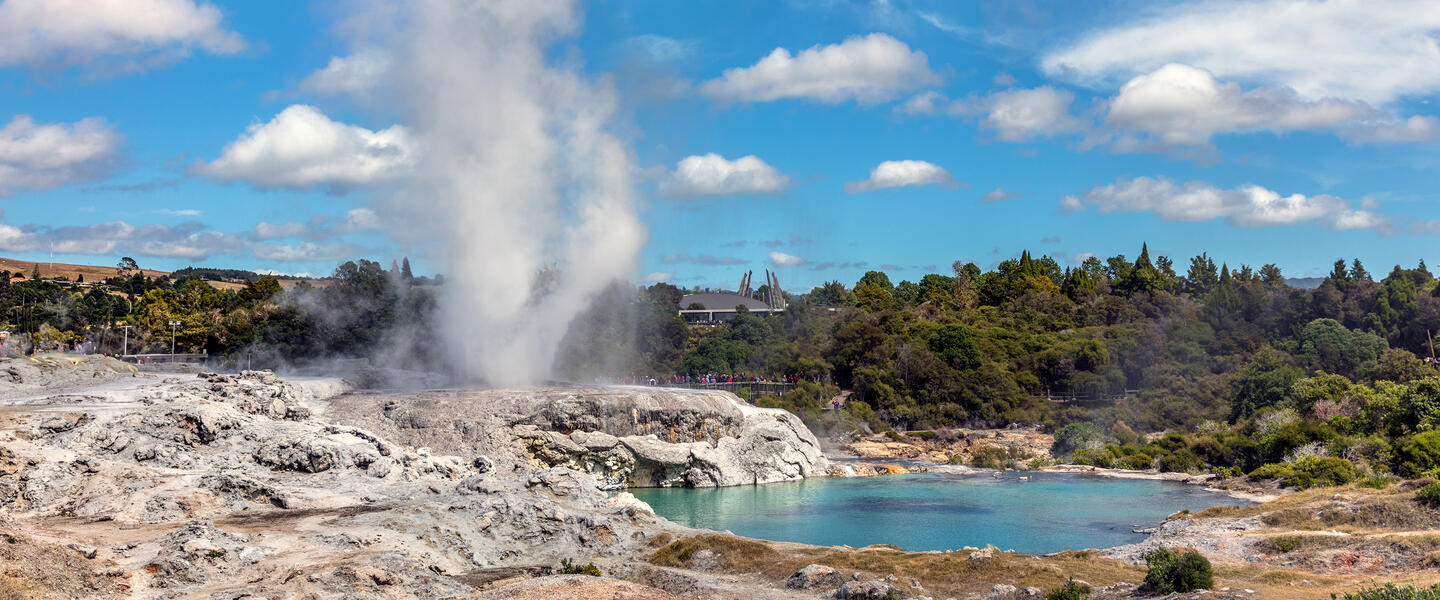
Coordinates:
[518,172]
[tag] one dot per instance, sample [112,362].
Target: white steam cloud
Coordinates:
[517,172]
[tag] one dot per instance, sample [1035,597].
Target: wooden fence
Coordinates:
[757,388]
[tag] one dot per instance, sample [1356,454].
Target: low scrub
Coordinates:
[1391,591]
[1309,471]
[733,553]
[1069,591]
[569,567]
[1173,571]
[1429,495]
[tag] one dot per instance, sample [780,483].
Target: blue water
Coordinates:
[1048,513]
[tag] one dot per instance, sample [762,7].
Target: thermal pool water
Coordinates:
[939,511]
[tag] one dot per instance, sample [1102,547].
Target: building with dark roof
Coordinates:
[704,307]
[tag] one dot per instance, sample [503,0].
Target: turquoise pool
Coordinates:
[1048,513]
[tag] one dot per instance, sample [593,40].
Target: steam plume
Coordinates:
[518,172]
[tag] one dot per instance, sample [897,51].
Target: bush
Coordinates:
[1285,543]
[1418,453]
[922,435]
[1429,495]
[1137,462]
[1377,482]
[568,567]
[1093,457]
[988,457]
[1173,571]
[1310,471]
[1069,591]
[1076,436]
[1391,591]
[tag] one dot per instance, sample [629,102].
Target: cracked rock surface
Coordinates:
[253,486]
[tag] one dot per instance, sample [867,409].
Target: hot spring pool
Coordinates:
[939,511]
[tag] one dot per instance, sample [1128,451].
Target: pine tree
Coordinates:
[1339,274]
[36,273]
[405,271]
[1358,272]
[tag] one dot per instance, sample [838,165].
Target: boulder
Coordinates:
[814,576]
[874,589]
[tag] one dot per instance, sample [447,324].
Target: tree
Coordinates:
[1270,275]
[127,264]
[955,344]
[1358,272]
[1202,275]
[878,279]
[35,275]
[1339,274]
[405,272]
[1262,383]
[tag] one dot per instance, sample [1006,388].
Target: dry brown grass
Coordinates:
[94,273]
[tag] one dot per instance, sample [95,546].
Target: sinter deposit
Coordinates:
[251,486]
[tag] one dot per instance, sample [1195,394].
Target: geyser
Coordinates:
[519,172]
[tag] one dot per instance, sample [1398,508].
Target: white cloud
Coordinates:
[1373,51]
[320,227]
[659,277]
[301,148]
[41,156]
[1018,115]
[357,74]
[45,33]
[1180,105]
[190,240]
[782,259]
[275,231]
[867,69]
[1244,206]
[1414,129]
[180,212]
[896,173]
[306,252]
[998,195]
[1015,115]
[714,175]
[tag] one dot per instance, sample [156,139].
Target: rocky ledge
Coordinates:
[623,437]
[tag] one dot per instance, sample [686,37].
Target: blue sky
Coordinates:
[257,134]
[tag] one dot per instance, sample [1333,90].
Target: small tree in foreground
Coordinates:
[1178,571]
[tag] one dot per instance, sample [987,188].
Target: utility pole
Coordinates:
[173,325]
[125,346]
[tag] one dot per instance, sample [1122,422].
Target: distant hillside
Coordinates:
[1304,283]
[224,279]
[71,272]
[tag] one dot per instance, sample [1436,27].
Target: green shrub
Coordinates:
[988,457]
[893,436]
[1285,543]
[923,435]
[1137,462]
[1173,571]
[1377,482]
[1069,591]
[1329,470]
[569,567]
[1391,591]
[1076,436]
[1418,453]
[1093,457]
[1227,472]
[1038,463]
[743,393]
[1181,461]
[1429,495]
[1310,471]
